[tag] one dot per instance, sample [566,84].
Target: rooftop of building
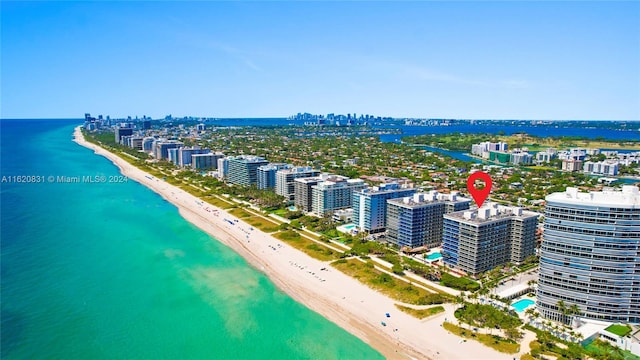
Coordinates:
[430,197]
[298,169]
[248,158]
[337,180]
[628,196]
[313,179]
[619,329]
[491,212]
[211,153]
[273,166]
[387,188]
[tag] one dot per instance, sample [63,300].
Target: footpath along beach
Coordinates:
[334,295]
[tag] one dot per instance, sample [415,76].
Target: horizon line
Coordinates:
[287,117]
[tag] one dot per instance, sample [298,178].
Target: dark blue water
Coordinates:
[613,134]
[542,131]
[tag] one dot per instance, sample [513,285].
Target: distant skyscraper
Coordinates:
[285,180]
[243,169]
[590,255]
[370,205]
[416,220]
[479,240]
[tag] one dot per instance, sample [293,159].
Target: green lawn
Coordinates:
[215,201]
[620,330]
[388,285]
[421,313]
[254,220]
[307,246]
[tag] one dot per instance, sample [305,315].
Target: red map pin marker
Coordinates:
[479,195]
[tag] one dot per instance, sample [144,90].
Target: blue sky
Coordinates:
[489,60]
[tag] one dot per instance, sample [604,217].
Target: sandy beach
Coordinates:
[336,296]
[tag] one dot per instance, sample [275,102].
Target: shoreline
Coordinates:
[334,295]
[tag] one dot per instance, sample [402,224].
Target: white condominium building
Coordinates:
[590,255]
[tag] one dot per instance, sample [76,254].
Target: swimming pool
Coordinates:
[522,304]
[434,256]
[349,226]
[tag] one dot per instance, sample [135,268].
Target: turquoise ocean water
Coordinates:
[111,271]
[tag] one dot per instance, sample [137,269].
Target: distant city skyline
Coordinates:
[466,60]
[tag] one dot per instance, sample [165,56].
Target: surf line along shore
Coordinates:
[336,296]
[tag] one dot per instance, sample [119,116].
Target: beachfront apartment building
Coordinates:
[206,161]
[590,255]
[303,198]
[333,192]
[172,155]
[285,179]
[370,205]
[223,168]
[185,154]
[267,175]
[417,220]
[476,241]
[132,141]
[147,143]
[243,169]
[122,131]
[161,148]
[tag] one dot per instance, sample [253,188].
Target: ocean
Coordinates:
[112,271]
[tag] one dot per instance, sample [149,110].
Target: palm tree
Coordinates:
[562,308]
[574,311]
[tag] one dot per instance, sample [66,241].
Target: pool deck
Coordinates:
[522,314]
